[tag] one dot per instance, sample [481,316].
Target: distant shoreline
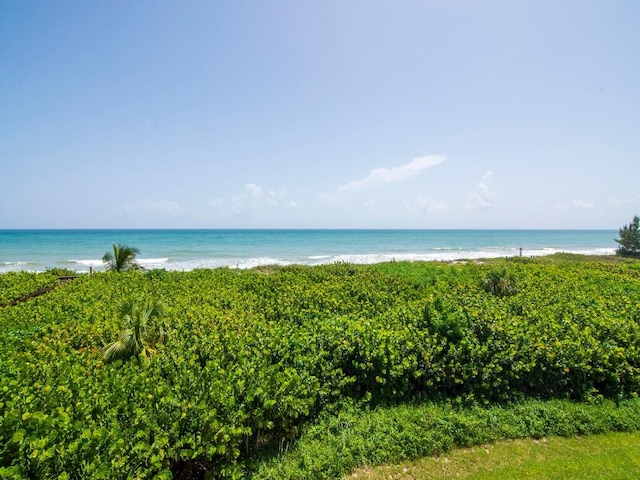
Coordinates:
[82,250]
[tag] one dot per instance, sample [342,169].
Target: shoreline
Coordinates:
[189,250]
[250,264]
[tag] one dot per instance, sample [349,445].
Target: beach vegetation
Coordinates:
[500,282]
[520,259]
[121,259]
[16,285]
[354,438]
[629,240]
[61,272]
[592,457]
[257,362]
[142,332]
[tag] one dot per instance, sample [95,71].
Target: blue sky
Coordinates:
[319,114]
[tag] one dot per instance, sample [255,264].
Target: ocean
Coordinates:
[37,250]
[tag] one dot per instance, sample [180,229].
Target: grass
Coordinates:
[343,443]
[561,258]
[610,456]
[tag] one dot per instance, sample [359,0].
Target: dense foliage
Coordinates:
[251,357]
[15,285]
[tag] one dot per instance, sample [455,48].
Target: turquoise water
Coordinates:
[79,250]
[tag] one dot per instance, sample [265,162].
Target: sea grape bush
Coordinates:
[15,285]
[255,355]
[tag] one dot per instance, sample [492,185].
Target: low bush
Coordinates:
[255,357]
[15,285]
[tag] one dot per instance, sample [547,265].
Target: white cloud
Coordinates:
[370,205]
[483,196]
[429,205]
[216,203]
[254,198]
[616,202]
[153,206]
[390,175]
[582,204]
[576,204]
[253,201]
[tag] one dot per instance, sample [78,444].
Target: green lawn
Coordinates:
[610,456]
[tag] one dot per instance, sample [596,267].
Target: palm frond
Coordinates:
[131,340]
[123,258]
[156,308]
[127,309]
[142,333]
[115,351]
[155,336]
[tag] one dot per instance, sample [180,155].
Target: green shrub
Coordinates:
[61,272]
[500,283]
[16,285]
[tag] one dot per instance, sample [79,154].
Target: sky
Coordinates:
[319,114]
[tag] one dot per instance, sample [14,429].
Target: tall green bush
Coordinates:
[629,240]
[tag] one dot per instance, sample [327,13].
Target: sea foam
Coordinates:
[244,249]
[152,262]
[88,262]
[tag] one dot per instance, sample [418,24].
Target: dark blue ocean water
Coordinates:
[189,249]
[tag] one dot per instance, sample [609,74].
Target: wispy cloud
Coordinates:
[576,204]
[153,206]
[483,196]
[615,202]
[428,205]
[581,204]
[216,204]
[390,175]
[253,199]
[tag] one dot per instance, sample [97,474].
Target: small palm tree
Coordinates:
[121,259]
[142,333]
[500,283]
